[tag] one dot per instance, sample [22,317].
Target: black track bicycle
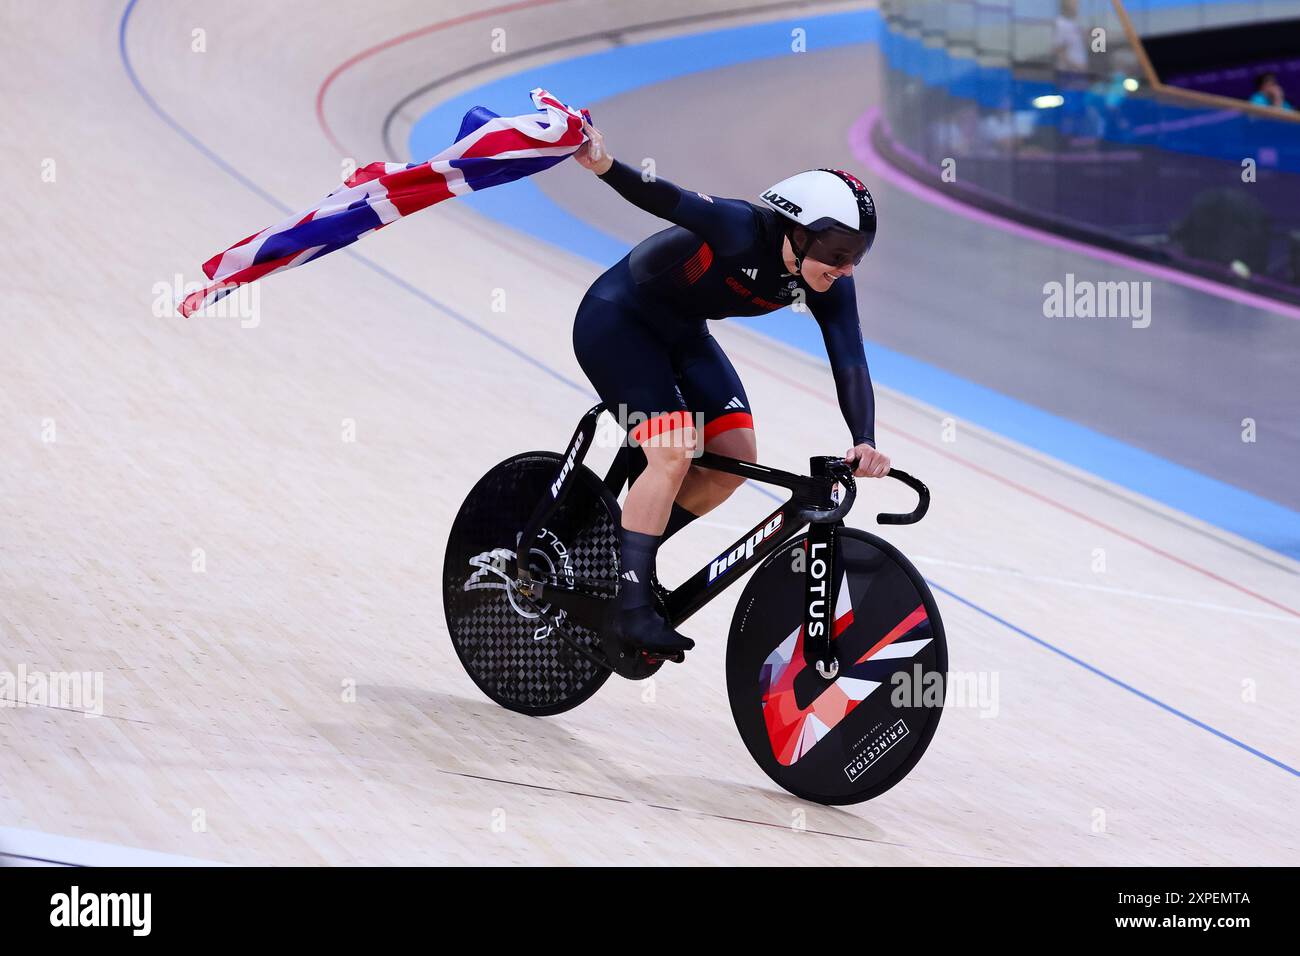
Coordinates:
[836,657]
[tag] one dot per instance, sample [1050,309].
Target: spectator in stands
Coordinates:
[1069,50]
[1269,92]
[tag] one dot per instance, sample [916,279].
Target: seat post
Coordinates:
[570,462]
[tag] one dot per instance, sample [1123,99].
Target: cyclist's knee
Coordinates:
[723,482]
[739,443]
[671,452]
[672,463]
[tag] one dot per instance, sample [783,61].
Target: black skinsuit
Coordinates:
[641,334]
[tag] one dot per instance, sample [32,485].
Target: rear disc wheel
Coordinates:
[508,649]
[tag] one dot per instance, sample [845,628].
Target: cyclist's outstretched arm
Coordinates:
[725,224]
[836,312]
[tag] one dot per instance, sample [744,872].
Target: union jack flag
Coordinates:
[489,150]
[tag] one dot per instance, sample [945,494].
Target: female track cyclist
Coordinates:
[641,336]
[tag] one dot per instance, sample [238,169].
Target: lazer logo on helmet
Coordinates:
[725,562]
[780,202]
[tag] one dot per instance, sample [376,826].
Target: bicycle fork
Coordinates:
[819,600]
[820,583]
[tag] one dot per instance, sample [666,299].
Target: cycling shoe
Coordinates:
[644,628]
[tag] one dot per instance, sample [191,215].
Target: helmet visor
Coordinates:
[837,245]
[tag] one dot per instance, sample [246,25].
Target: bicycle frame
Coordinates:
[812,503]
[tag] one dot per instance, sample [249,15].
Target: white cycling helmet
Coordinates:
[836,212]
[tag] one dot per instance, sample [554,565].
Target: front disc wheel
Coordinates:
[851,738]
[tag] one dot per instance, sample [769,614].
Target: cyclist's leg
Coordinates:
[632,371]
[710,385]
[669,441]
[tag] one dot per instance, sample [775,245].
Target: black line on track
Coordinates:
[13,704]
[39,859]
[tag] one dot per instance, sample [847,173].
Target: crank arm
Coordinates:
[587,609]
[565,636]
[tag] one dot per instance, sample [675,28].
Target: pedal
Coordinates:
[677,657]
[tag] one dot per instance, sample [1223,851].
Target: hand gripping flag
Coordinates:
[490,150]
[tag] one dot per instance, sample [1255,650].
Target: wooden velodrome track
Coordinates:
[1119,734]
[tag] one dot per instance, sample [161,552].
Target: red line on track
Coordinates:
[334,74]
[365,54]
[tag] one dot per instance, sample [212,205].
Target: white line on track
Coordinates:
[20,847]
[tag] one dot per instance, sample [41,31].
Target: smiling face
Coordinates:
[820,276]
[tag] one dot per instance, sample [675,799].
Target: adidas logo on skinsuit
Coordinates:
[631,576]
[752,273]
[735,403]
